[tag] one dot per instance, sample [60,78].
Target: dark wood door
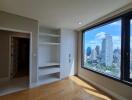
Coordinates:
[19,57]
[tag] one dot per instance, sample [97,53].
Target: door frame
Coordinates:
[30,54]
[10,57]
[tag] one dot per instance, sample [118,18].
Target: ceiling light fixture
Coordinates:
[80,23]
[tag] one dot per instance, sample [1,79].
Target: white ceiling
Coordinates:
[62,13]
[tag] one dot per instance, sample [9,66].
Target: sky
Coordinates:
[95,36]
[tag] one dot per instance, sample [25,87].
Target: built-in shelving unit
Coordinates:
[49,70]
[50,64]
[48,58]
[51,35]
[48,78]
[49,43]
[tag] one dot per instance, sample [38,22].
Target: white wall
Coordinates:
[68,46]
[11,21]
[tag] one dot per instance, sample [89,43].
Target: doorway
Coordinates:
[19,66]
[15,58]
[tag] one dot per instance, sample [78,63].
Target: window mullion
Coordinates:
[125,48]
[122,48]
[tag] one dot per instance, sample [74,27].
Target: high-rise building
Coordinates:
[88,51]
[85,58]
[107,50]
[93,55]
[97,48]
[117,57]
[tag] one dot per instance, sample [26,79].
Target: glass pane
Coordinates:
[131,49]
[102,49]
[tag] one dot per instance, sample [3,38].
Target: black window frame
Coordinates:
[125,47]
[128,18]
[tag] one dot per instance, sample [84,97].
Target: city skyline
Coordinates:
[106,59]
[94,37]
[102,48]
[106,55]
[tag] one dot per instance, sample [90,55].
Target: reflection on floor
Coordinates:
[69,89]
[14,85]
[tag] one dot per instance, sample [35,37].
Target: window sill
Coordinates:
[110,77]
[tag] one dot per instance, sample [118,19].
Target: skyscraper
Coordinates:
[117,57]
[85,58]
[88,51]
[107,50]
[93,55]
[97,49]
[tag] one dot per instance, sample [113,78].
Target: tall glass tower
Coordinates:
[107,50]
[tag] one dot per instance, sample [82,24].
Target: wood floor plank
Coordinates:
[72,88]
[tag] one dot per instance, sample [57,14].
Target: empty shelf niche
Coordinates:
[50,35]
[49,40]
[48,56]
[49,78]
[48,70]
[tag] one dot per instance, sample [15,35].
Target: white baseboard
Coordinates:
[33,85]
[112,93]
[4,79]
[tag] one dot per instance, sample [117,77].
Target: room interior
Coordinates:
[65,50]
[15,61]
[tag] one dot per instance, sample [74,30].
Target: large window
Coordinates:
[102,49]
[107,48]
[131,49]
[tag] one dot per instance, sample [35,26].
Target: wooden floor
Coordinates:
[14,85]
[72,88]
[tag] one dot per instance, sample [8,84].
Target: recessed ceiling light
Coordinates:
[80,23]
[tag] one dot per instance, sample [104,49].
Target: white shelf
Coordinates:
[51,35]
[50,64]
[48,70]
[49,56]
[47,79]
[49,43]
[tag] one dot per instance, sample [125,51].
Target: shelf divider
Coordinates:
[49,43]
[51,35]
